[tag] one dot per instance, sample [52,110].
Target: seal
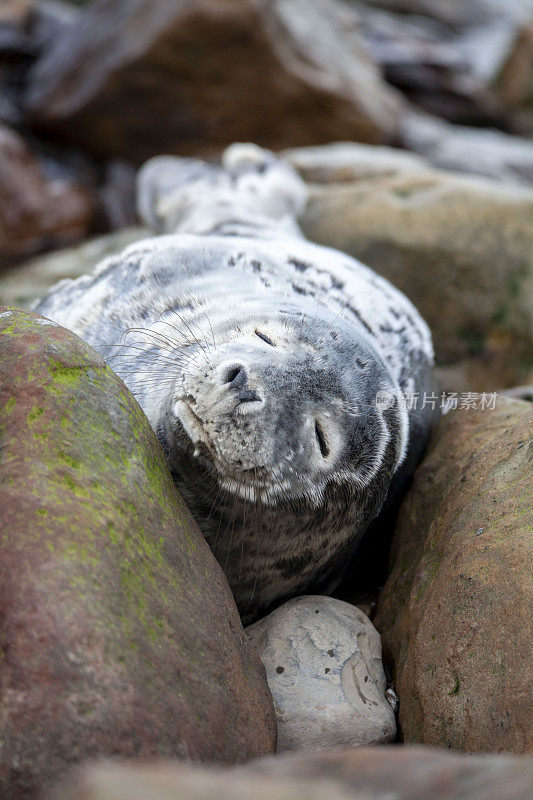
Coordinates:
[273,370]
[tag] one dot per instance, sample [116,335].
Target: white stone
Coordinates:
[323,663]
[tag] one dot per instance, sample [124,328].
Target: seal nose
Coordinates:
[236,377]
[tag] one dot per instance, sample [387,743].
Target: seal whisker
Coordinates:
[195,339]
[160,338]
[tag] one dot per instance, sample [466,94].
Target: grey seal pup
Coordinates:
[272,369]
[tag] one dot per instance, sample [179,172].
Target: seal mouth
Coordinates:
[254,484]
[193,425]
[266,492]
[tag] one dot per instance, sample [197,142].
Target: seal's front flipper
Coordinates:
[251,193]
[166,185]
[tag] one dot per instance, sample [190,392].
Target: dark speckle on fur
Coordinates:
[301,266]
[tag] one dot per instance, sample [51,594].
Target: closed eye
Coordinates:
[321,439]
[265,338]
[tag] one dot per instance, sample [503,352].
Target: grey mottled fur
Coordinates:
[257,357]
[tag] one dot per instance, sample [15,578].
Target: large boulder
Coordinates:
[359,773]
[119,632]
[458,247]
[324,669]
[36,212]
[135,79]
[455,614]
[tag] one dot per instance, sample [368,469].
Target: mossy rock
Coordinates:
[119,633]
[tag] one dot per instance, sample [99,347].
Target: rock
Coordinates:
[455,614]
[500,57]
[323,663]
[15,12]
[16,53]
[191,77]
[30,281]
[359,773]
[50,19]
[420,56]
[26,28]
[514,81]
[14,17]
[448,57]
[342,162]
[36,213]
[495,367]
[490,153]
[520,393]
[119,633]
[458,247]
[452,13]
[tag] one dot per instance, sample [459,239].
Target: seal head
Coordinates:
[284,406]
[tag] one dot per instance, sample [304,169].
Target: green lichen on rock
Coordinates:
[107,586]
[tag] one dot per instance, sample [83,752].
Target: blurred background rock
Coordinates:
[429,102]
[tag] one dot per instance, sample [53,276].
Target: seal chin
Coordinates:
[254,484]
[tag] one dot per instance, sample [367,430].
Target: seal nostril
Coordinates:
[233,373]
[321,439]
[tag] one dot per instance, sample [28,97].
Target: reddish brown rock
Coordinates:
[361,773]
[137,79]
[455,614]
[35,212]
[119,633]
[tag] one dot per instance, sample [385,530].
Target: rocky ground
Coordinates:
[411,122]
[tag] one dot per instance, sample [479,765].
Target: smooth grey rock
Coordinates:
[491,153]
[342,162]
[323,662]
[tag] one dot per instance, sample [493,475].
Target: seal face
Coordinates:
[271,369]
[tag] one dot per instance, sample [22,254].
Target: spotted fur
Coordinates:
[257,357]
